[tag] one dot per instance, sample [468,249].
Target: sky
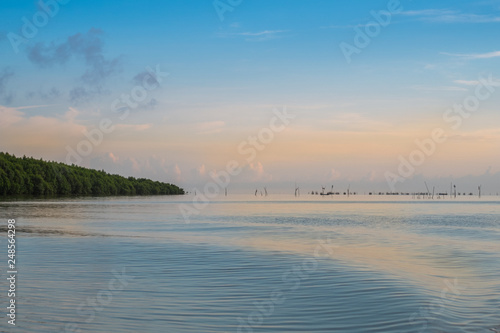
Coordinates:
[378,95]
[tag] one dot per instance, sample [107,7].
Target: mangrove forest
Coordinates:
[31,177]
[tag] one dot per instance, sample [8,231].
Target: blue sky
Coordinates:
[226,76]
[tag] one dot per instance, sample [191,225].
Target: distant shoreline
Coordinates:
[27,177]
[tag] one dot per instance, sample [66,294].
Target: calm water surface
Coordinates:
[253,264]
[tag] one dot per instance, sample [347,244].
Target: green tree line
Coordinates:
[29,176]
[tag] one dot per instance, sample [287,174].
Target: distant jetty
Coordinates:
[27,176]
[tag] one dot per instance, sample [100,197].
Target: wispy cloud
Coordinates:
[427,12]
[487,55]
[133,127]
[438,88]
[210,127]
[254,36]
[261,33]
[473,83]
[33,106]
[349,26]
[433,15]
[467,82]
[449,16]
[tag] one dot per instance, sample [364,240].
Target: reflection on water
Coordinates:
[259,265]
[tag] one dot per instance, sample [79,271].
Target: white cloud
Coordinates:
[475,83]
[428,12]
[467,82]
[254,36]
[449,16]
[202,170]
[438,88]
[487,55]
[350,26]
[255,172]
[133,127]
[334,175]
[260,33]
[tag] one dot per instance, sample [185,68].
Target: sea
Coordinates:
[240,263]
